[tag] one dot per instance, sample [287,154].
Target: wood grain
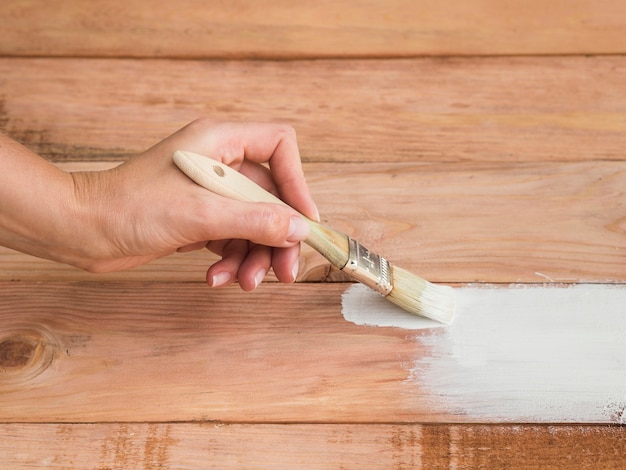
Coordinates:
[461,222]
[157,352]
[142,352]
[284,29]
[428,110]
[349,446]
[467,140]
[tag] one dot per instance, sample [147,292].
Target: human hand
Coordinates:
[146,208]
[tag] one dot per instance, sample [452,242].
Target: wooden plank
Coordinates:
[458,222]
[180,352]
[284,29]
[225,446]
[459,109]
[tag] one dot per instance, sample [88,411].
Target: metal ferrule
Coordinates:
[369,268]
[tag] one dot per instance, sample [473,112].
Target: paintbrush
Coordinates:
[412,293]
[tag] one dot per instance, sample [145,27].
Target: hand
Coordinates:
[147,208]
[152,209]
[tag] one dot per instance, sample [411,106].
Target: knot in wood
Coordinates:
[17,352]
[25,352]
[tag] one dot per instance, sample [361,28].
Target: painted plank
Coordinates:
[449,222]
[284,29]
[519,353]
[180,352]
[225,446]
[429,109]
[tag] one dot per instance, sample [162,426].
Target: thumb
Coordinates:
[262,223]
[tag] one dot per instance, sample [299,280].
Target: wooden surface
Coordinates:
[327,446]
[518,109]
[469,142]
[287,29]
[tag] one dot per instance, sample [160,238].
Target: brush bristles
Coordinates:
[420,297]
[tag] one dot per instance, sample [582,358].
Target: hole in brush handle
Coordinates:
[221,179]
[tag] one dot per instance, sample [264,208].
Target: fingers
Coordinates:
[285,262]
[252,238]
[245,147]
[243,262]
[249,264]
[254,267]
[277,145]
[225,271]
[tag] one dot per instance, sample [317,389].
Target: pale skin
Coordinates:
[146,208]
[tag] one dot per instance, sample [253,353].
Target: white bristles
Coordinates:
[420,297]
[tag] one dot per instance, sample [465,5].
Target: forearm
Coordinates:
[36,201]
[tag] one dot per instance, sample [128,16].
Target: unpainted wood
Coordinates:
[349,446]
[287,29]
[161,352]
[506,109]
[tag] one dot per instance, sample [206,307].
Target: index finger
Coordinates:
[276,145]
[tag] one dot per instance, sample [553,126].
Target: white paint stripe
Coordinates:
[524,354]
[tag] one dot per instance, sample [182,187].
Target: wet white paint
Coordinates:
[363,306]
[523,354]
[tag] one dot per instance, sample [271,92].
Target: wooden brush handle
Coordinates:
[223,180]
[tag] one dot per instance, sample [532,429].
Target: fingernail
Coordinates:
[295,270]
[220,279]
[258,279]
[298,229]
[317,217]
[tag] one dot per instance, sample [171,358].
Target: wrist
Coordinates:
[93,211]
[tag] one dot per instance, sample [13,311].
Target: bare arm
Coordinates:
[36,202]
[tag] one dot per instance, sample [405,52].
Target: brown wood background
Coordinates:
[468,141]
